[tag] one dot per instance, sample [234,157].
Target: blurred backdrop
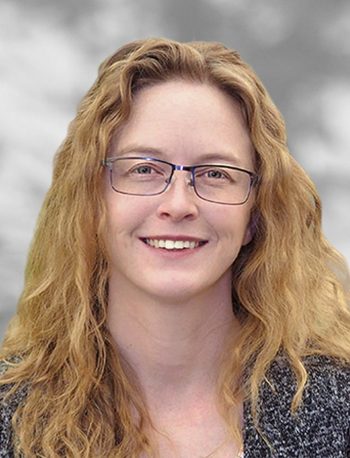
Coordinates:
[49,53]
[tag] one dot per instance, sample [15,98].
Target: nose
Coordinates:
[179,201]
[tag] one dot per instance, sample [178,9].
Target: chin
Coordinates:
[177,291]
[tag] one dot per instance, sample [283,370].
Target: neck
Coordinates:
[174,348]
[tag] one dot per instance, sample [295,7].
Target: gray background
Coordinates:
[49,52]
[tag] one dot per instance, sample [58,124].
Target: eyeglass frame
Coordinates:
[254,178]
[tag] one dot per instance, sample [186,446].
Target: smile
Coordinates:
[174,244]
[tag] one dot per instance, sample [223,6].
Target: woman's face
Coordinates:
[183,123]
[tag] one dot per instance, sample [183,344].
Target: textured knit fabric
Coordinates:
[321,427]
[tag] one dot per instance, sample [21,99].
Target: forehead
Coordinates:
[186,118]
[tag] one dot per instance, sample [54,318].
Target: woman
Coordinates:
[179,300]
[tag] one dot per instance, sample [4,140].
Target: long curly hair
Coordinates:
[82,401]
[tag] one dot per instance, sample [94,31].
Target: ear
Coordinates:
[251,228]
[248,235]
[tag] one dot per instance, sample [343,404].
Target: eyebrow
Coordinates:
[230,158]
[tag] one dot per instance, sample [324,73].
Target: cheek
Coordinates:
[234,224]
[234,234]
[125,215]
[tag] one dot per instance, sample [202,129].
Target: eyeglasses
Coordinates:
[147,176]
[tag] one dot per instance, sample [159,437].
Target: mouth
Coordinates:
[171,245]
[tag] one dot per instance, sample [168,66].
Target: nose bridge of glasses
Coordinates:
[182,168]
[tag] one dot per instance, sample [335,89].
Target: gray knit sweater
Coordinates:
[321,428]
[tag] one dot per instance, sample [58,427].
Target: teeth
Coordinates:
[172,244]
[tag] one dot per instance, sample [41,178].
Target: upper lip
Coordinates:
[175,237]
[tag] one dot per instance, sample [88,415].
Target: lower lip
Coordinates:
[174,254]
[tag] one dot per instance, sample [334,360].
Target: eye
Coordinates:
[217,174]
[213,174]
[146,169]
[142,170]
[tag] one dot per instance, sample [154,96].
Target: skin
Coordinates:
[170,314]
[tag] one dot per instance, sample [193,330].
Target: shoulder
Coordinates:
[328,382]
[321,424]
[326,394]
[326,375]
[329,379]
[5,364]
[8,406]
